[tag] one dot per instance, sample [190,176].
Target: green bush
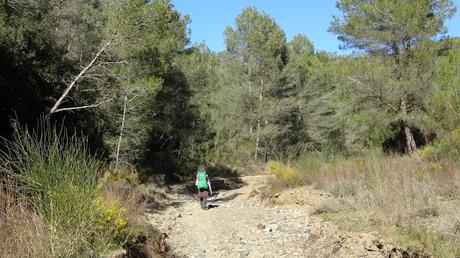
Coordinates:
[58,176]
[428,241]
[445,148]
[310,162]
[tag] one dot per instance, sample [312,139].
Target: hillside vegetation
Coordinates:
[101,97]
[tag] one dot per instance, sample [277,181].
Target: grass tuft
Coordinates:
[55,204]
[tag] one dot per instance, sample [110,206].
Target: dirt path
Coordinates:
[240,225]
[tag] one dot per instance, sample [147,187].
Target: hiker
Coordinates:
[203,185]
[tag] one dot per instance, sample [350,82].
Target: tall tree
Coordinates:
[231,116]
[288,115]
[198,64]
[149,36]
[399,31]
[260,45]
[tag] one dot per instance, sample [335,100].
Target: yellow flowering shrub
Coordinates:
[456,134]
[286,173]
[430,152]
[110,217]
[275,168]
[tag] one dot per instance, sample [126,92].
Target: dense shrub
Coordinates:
[445,148]
[287,174]
[56,176]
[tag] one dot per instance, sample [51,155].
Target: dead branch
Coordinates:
[55,109]
[81,107]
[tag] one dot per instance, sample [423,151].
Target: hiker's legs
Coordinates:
[203,202]
[203,194]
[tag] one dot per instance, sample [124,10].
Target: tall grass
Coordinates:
[57,176]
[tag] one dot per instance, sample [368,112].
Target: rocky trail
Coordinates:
[238,224]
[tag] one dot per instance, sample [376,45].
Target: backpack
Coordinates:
[202,180]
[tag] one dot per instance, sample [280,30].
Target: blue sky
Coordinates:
[312,18]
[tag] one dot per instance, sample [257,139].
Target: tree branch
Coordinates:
[374,93]
[82,107]
[55,109]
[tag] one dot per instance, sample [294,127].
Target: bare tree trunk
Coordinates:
[121,133]
[216,139]
[193,149]
[250,98]
[257,140]
[259,118]
[54,109]
[410,141]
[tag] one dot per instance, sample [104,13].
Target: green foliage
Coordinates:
[390,26]
[57,175]
[310,162]
[263,98]
[48,161]
[41,44]
[259,46]
[422,238]
[444,105]
[401,34]
[446,148]
[168,105]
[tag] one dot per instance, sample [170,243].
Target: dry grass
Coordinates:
[399,196]
[129,195]
[22,233]
[405,198]
[403,186]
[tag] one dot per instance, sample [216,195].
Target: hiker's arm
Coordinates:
[196,181]
[209,184]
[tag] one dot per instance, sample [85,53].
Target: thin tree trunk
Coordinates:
[121,133]
[259,120]
[410,141]
[257,141]
[193,149]
[250,99]
[216,144]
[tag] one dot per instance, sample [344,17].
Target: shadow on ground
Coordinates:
[222,178]
[155,206]
[222,171]
[212,206]
[225,198]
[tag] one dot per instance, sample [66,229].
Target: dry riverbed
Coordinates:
[239,224]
